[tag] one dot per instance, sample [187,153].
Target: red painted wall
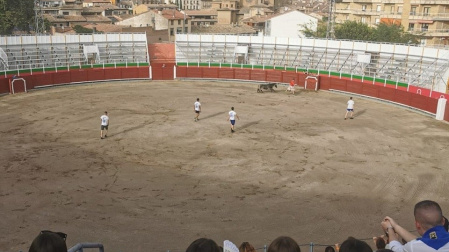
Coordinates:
[76,75]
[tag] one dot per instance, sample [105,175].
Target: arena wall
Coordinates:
[70,76]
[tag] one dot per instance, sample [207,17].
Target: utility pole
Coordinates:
[39,27]
[330,20]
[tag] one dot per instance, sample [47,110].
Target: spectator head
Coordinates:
[284,244]
[380,243]
[353,245]
[48,241]
[246,247]
[329,249]
[203,245]
[428,214]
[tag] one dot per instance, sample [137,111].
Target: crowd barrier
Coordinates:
[414,97]
[36,78]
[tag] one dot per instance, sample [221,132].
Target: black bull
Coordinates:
[266,87]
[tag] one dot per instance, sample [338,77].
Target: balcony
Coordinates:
[430,32]
[367,12]
[444,2]
[343,11]
[393,1]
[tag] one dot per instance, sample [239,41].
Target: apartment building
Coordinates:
[429,18]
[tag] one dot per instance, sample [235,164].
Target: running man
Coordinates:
[104,125]
[350,108]
[291,87]
[197,108]
[232,116]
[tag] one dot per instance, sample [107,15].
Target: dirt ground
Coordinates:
[160,180]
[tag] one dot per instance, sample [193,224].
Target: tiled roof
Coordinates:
[224,29]
[203,12]
[93,9]
[104,27]
[172,14]
[97,18]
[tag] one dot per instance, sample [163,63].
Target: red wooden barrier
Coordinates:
[226,73]
[242,73]
[354,87]
[44,79]
[61,77]
[386,94]
[370,90]
[338,84]
[258,75]
[129,73]
[274,76]
[194,72]
[181,72]
[211,73]
[325,82]
[112,73]
[402,97]
[78,75]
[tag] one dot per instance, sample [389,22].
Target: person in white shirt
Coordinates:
[232,116]
[429,223]
[350,108]
[197,108]
[104,125]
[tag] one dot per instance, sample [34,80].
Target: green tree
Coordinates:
[353,30]
[81,29]
[393,33]
[16,14]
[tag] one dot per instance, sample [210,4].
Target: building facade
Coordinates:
[296,20]
[429,18]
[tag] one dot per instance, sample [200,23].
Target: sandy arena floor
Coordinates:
[160,180]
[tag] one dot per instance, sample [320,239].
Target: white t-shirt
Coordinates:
[104,120]
[197,105]
[232,115]
[350,104]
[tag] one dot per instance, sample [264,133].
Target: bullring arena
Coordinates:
[161,180]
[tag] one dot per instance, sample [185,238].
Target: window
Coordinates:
[377,21]
[179,21]
[185,30]
[400,9]
[426,11]
[187,21]
[411,27]
[363,20]
[392,9]
[171,32]
[179,30]
[424,27]
[379,8]
[65,13]
[172,22]
[413,11]
[364,7]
